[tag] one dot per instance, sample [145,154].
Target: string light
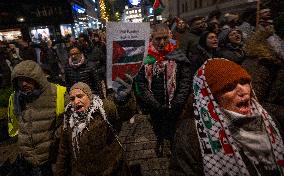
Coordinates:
[103,10]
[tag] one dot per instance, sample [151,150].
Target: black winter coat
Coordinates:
[164,118]
[235,54]
[199,55]
[84,73]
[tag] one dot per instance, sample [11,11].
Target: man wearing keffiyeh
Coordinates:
[163,84]
[230,132]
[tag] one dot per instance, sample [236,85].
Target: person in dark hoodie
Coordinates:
[163,84]
[233,46]
[181,34]
[197,27]
[99,59]
[78,69]
[206,48]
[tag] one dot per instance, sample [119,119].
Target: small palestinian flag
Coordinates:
[128,51]
[158,6]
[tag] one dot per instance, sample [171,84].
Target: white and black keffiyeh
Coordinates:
[220,153]
[78,122]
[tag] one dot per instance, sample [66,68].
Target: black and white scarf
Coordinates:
[79,121]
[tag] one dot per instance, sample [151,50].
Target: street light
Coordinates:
[21,19]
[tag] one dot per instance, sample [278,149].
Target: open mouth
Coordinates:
[79,108]
[27,89]
[215,44]
[238,39]
[244,107]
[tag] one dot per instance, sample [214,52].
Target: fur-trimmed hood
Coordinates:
[258,47]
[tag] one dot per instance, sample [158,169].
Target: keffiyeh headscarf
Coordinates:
[79,121]
[220,153]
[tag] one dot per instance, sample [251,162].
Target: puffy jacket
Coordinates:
[37,120]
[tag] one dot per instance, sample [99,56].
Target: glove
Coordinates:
[124,88]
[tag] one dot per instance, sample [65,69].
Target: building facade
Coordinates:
[189,8]
[40,19]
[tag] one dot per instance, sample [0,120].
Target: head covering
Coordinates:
[84,87]
[203,39]
[223,36]
[229,17]
[220,153]
[221,72]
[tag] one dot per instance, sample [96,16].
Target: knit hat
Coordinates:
[220,73]
[84,87]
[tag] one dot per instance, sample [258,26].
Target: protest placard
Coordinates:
[127,45]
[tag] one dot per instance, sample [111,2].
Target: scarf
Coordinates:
[78,64]
[220,153]
[156,63]
[250,135]
[79,121]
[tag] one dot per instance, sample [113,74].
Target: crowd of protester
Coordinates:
[212,86]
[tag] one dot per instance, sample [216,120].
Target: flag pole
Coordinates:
[257,13]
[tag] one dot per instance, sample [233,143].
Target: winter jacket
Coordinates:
[183,39]
[37,122]
[186,157]
[199,55]
[235,54]
[99,152]
[5,73]
[155,101]
[99,58]
[267,72]
[84,73]
[194,37]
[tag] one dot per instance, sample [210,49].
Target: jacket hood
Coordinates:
[29,69]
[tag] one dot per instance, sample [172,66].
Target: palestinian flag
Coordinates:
[127,57]
[158,6]
[121,70]
[128,51]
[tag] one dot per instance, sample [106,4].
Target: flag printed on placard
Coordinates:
[127,45]
[127,57]
[128,51]
[121,70]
